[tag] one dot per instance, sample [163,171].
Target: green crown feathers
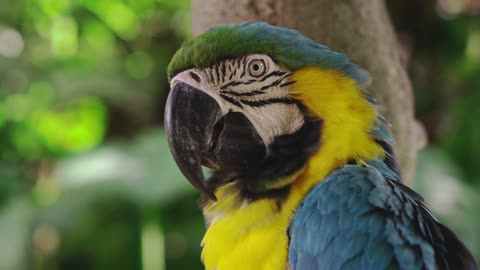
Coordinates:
[287,47]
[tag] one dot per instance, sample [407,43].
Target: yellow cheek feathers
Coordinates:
[254,235]
[347,116]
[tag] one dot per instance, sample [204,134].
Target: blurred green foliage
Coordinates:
[66,62]
[86,178]
[443,42]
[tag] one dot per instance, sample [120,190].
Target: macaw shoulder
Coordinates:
[357,219]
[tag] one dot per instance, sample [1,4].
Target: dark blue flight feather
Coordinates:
[363,218]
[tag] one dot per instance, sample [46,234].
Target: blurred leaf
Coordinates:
[79,128]
[64,37]
[143,171]
[78,81]
[116,15]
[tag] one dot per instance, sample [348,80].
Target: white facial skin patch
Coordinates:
[253,85]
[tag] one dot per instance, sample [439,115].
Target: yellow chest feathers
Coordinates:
[253,235]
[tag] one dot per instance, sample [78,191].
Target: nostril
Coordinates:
[195,76]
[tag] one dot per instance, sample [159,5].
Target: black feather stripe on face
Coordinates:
[231,100]
[247,94]
[263,102]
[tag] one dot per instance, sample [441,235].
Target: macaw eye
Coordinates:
[256,68]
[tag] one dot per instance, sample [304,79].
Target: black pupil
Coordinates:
[256,67]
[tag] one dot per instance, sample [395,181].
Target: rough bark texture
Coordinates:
[360,29]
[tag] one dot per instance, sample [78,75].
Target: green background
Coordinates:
[86,177]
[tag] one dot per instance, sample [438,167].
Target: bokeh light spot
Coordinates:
[153,247]
[11,42]
[64,37]
[473,46]
[97,36]
[46,239]
[78,128]
[449,9]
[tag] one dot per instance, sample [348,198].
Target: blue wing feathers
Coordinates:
[362,217]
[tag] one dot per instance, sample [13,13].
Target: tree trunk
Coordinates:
[360,29]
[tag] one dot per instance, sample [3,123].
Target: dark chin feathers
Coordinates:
[287,154]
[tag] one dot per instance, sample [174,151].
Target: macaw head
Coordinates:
[262,106]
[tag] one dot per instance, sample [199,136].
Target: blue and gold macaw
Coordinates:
[304,177]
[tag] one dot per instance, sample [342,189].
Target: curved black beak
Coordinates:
[190,116]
